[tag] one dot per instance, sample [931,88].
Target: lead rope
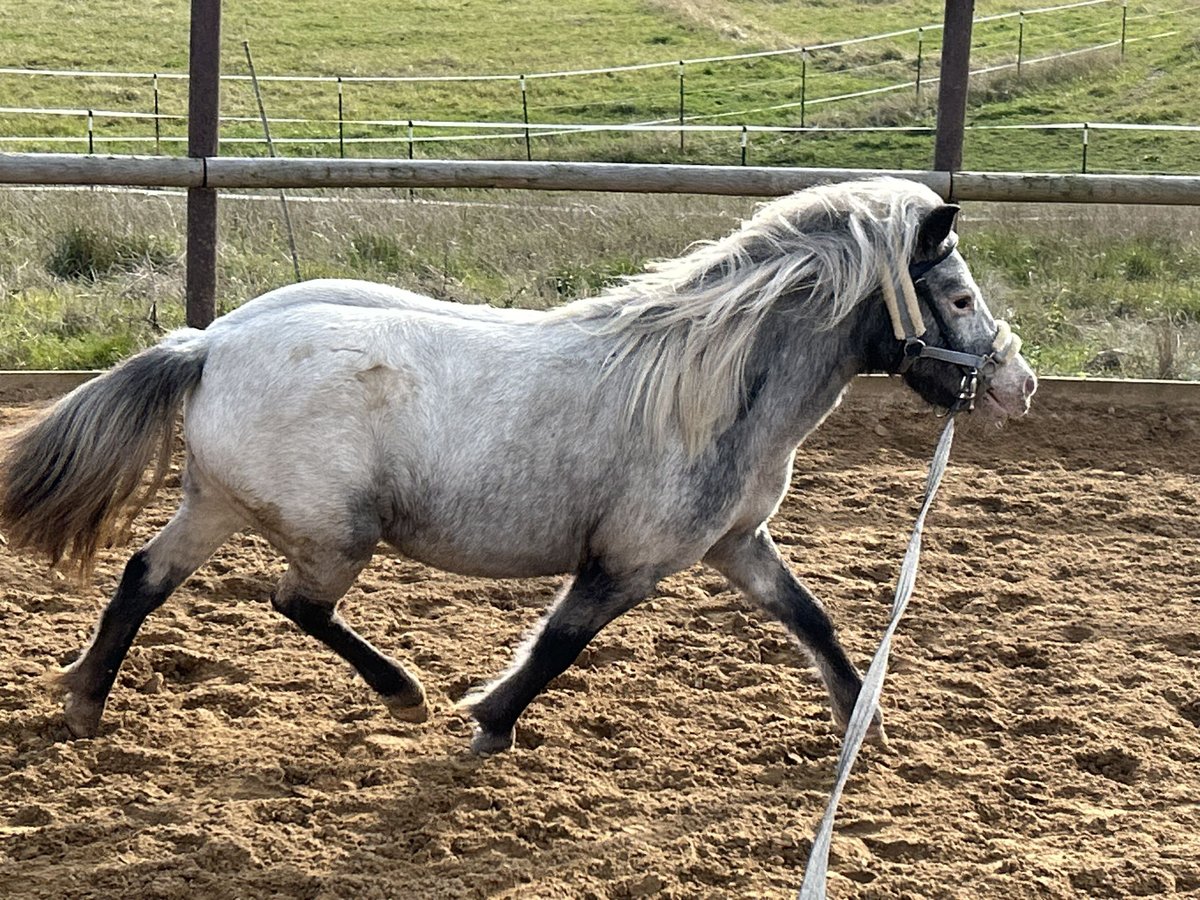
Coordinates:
[813,887]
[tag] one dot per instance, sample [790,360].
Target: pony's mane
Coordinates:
[683,329]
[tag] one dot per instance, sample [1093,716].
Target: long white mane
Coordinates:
[682,330]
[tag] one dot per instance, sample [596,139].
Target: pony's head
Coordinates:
[825,265]
[943,340]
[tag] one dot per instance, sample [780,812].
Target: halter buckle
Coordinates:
[914,348]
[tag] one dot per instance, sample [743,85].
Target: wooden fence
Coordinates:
[750,181]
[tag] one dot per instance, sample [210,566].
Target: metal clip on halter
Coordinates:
[968,390]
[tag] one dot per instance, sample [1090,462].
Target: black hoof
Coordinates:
[485,743]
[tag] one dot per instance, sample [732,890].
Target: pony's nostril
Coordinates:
[1029,386]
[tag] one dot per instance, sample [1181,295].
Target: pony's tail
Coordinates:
[65,480]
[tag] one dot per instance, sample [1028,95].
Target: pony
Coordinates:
[615,439]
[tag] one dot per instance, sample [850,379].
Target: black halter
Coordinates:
[918,270]
[976,368]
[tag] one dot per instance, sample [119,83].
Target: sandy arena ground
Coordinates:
[1043,705]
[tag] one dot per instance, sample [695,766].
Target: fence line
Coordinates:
[682,118]
[552,128]
[908,85]
[1034,12]
[589,209]
[681,124]
[566,73]
[558,129]
[234,172]
[519,131]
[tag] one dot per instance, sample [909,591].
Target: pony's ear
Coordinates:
[935,228]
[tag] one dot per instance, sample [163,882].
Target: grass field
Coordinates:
[1154,83]
[87,278]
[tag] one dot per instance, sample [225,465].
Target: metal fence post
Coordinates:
[1083,162]
[745,143]
[157,124]
[681,106]
[91,136]
[1020,41]
[920,54]
[952,86]
[262,114]
[1124,20]
[411,193]
[204,85]
[525,117]
[803,83]
[341,122]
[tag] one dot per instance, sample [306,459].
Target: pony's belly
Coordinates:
[489,563]
[488,554]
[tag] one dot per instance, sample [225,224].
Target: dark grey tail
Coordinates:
[65,481]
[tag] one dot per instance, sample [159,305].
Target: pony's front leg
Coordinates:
[593,599]
[752,562]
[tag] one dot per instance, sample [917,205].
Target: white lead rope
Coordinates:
[813,887]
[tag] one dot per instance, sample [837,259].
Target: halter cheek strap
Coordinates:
[907,321]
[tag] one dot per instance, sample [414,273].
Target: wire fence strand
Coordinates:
[837,79]
[564,73]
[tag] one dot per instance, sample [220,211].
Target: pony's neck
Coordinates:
[797,374]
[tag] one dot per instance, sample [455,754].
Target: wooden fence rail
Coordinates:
[234,172]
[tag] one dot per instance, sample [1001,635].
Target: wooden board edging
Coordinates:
[29,386]
[1117,392]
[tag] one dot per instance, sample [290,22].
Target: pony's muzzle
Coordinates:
[1011,388]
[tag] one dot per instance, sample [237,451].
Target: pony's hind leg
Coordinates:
[311,602]
[195,532]
[752,562]
[593,599]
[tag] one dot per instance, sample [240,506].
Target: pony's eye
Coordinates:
[964,302]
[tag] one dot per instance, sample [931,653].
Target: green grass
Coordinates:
[88,277]
[90,253]
[439,37]
[44,328]
[1083,284]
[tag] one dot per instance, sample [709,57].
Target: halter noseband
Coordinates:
[908,325]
